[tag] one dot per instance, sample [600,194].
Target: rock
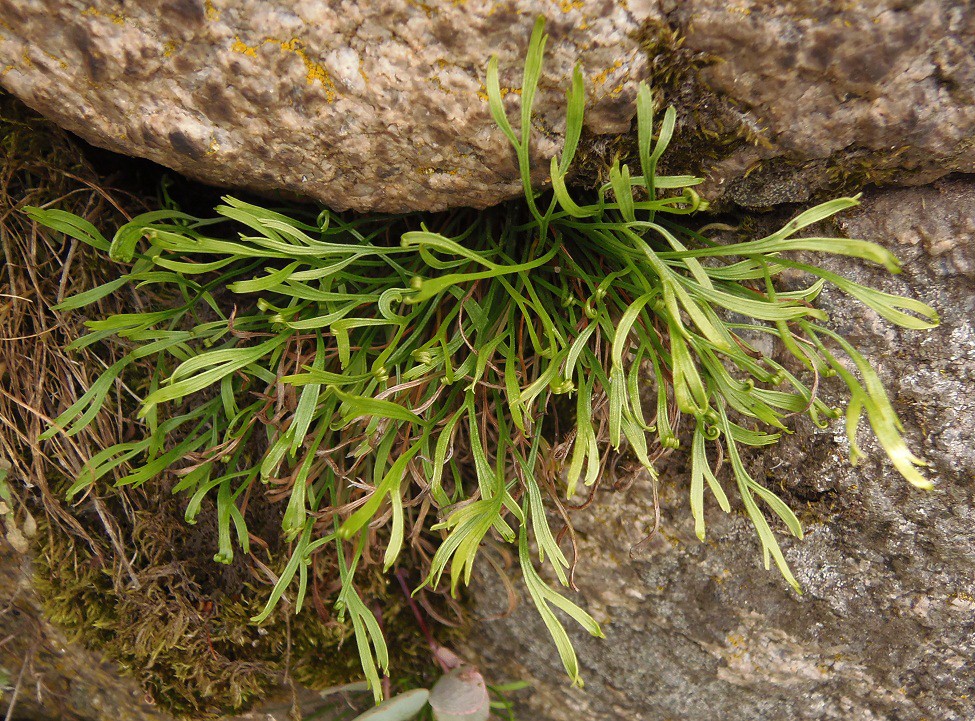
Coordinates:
[884,629]
[381,105]
[364,105]
[789,98]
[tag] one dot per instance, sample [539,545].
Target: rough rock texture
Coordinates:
[368,105]
[377,105]
[885,629]
[826,92]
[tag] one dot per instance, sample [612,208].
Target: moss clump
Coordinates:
[180,623]
[709,127]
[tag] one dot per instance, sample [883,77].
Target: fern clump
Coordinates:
[403,385]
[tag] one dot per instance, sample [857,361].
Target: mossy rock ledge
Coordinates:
[381,105]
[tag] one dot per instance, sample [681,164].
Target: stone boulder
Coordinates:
[381,105]
[371,105]
[885,627]
[790,99]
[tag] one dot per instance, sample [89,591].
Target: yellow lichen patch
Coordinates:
[169,48]
[435,171]
[435,79]
[600,78]
[239,46]
[213,148]
[315,71]
[428,10]
[116,18]
[61,63]
[211,11]
[482,92]
[566,6]
[736,639]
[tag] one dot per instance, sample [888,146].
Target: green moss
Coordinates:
[709,126]
[853,169]
[188,638]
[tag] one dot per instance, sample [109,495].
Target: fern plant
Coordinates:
[476,371]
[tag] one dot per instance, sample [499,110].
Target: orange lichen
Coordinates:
[482,92]
[92,11]
[436,171]
[600,78]
[315,71]
[428,10]
[239,46]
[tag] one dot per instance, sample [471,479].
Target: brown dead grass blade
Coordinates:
[41,165]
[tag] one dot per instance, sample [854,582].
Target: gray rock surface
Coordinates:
[380,105]
[371,105]
[885,628]
[825,93]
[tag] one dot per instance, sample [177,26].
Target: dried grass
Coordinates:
[41,164]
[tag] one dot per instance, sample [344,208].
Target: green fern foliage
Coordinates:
[428,387]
